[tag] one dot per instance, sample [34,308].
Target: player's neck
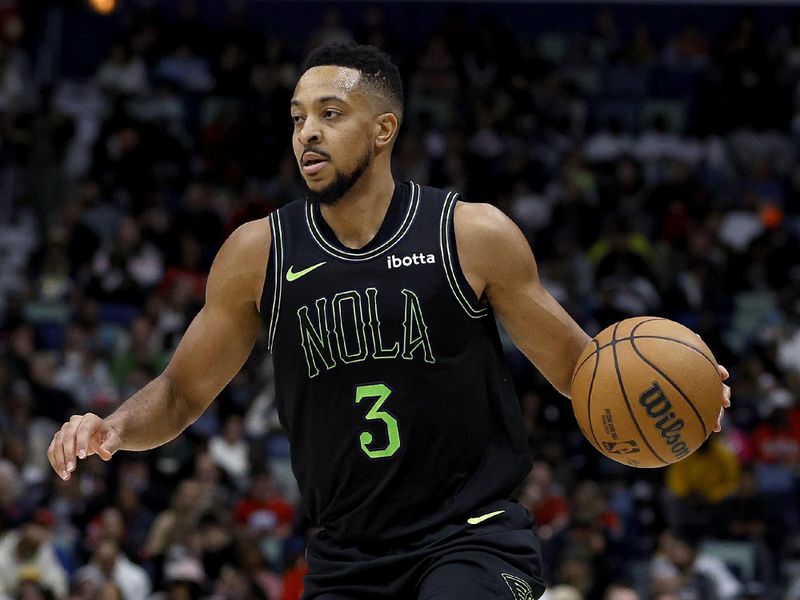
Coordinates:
[358,215]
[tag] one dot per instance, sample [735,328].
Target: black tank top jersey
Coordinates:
[390,377]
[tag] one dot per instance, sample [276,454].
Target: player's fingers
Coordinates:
[726,396]
[55,454]
[718,426]
[50,453]
[68,441]
[95,441]
[67,460]
[59,458]
[86,427]
[58,461]
[111,442]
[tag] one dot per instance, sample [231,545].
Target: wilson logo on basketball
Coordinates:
[658,407]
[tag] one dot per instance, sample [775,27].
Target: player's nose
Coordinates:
[310,132]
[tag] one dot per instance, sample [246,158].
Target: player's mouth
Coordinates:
[313,162]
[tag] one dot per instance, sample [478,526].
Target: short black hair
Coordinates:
[378,73]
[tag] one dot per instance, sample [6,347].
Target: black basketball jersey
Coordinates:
[390,376]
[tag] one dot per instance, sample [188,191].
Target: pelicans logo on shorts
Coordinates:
[520,589]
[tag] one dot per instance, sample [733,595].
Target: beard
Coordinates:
[341,184]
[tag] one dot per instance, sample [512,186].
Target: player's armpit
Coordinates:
[499,264]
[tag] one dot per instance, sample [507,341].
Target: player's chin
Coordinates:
[315,181]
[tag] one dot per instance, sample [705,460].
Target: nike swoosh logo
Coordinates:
[482,518]
[291,276]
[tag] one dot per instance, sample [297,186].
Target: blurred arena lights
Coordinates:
[104,7]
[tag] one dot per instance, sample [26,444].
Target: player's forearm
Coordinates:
[555,340]
[573,347]
[153,416]
[567,341]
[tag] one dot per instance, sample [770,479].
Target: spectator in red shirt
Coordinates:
[545,501]
[777,439]
[776,447]
[264,510]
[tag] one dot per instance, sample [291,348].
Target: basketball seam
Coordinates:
[625,397]
[682,343]
[598,445]
[645,337]
[673,384]
[599,347]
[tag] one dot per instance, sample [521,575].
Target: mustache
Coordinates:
[315,150]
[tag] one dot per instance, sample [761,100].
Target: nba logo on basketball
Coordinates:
[626,447]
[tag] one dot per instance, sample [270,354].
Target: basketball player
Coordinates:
[378,300]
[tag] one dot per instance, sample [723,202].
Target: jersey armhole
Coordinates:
[273,282]
[459,285]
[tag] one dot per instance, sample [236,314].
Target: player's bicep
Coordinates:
[221,336]
[213,349]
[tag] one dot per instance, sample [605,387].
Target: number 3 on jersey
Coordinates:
[381,392]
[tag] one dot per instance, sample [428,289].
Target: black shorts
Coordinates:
[496,557]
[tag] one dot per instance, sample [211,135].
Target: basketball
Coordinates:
[646,392]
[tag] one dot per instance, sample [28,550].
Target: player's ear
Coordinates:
[386,126]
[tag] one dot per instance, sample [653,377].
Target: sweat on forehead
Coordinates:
[347,78]
[344,80]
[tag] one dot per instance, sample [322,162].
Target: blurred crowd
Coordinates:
[654,172]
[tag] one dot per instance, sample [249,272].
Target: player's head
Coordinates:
[347,108]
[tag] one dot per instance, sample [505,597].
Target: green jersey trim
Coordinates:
[447,247]
[354,255]
[277,243]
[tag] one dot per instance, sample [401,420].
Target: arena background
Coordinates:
[648,151]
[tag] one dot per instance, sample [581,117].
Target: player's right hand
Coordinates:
[81,436]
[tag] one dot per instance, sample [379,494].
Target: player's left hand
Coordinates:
[726,396]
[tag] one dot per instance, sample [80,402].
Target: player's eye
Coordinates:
[330,114]
[297,119]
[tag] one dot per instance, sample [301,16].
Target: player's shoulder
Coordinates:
[481,222]
[246,250]
[240,266]
[251,237]
[489,242]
